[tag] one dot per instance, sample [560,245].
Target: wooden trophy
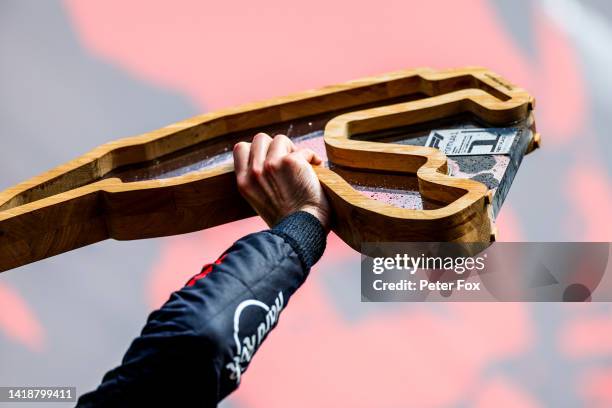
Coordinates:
[385,173]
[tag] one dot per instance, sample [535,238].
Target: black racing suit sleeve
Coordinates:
[194,350]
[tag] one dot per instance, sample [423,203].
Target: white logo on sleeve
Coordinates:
[248,344]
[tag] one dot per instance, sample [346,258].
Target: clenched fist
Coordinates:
[277,179]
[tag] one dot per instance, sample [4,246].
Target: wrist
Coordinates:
[305,233]
[320,214]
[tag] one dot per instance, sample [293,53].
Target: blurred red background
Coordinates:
[96,71]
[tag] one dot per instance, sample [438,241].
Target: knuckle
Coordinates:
[243,185]
[240,145]
[281,137]
[272,166]
[290,161]
[261,136]
[286,159]
[257,171]
[241,181]
[268,167]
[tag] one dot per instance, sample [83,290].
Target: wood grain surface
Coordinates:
[74,204]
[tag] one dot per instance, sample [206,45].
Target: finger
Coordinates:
[259,150]
[241,158]
[309,155]
[281,145]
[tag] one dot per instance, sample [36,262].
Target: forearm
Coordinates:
[207,333]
